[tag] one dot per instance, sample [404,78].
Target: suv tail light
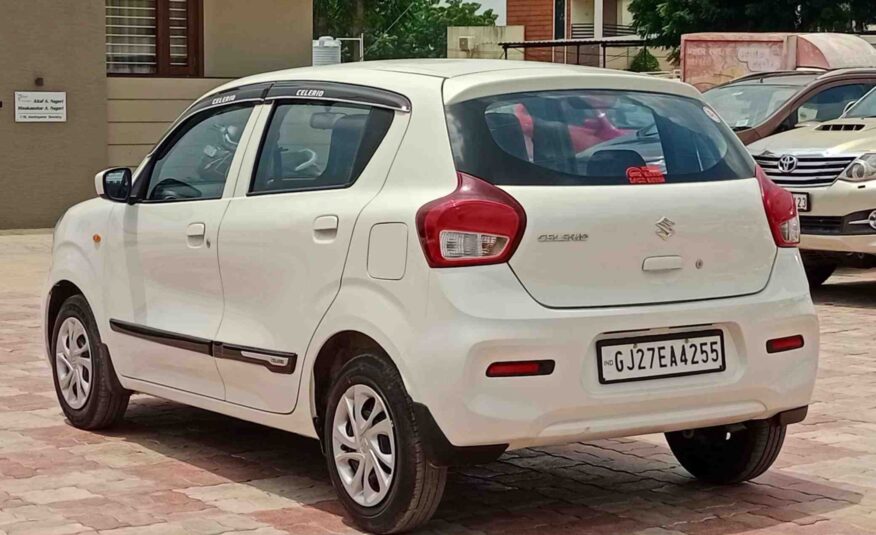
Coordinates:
[781,211]
[477,224]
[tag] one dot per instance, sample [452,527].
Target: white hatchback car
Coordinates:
[428,263]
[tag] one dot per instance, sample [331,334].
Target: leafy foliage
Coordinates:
[664,21]
[398,28]
[644,61]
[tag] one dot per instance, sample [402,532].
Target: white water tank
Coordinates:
[326,51]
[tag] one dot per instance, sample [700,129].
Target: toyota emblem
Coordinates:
[787,164]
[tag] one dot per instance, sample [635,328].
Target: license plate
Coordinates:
[802,200]
[660,356]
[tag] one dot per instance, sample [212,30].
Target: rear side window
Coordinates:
[593,137]
[317,145]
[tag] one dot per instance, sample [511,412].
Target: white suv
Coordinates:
[830,169]
[428,263]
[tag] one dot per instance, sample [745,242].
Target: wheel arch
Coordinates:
[335,352]
[75,270]
[58,293]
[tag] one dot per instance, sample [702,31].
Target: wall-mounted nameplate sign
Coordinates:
[40,107]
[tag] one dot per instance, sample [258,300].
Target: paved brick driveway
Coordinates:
[171,469]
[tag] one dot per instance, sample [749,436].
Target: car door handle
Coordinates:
[196,234]
[196,230]
[325,228]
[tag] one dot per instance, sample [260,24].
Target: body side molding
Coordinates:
[274,361]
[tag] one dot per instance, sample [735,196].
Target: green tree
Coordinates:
[644,61]
[398,28]
[663,22]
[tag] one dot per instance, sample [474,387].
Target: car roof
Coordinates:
[396,75]
[441,68]
[801,77]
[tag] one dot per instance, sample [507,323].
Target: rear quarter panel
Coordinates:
[392,311]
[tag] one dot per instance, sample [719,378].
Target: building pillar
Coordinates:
[598,19]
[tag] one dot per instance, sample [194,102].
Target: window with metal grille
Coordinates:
[153,37]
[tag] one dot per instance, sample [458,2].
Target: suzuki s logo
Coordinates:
[665,228]
[787,164]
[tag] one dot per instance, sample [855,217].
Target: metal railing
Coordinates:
[618,30]
[585,30]
[582,30]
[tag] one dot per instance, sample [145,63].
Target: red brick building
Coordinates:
[569,19]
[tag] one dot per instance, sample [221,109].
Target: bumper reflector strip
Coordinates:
[787,343]
[524,368]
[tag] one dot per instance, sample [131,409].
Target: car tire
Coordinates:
[371,387]
[728,455]
[85,382]
[817,274]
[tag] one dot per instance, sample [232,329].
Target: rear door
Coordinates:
[630,197]
[324,154]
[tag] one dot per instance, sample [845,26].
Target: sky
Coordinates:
[498,7]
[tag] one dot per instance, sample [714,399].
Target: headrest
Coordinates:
[325,120]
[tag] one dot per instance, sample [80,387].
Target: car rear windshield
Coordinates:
[593,137]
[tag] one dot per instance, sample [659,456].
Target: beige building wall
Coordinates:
[139,111]
[114,121]
[250,36]
[240,38]
[47,167]
[485,41]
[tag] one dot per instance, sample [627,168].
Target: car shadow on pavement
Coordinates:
[608,486]
[840,291]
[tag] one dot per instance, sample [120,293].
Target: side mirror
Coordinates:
[114,184]
[849,106]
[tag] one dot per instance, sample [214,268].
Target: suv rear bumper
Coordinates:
[482,315]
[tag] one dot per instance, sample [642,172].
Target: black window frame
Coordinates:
[363,158]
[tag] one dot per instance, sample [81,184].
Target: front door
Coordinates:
[285,237]
[165,295]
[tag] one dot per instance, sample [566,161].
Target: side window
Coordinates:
[829,104]
[194,164]
[317,145]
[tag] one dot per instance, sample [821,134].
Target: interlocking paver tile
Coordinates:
[170,469]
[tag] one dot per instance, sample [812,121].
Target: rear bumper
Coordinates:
[442,453]
[482,315]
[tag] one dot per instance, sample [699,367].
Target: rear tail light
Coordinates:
[781,211]
[525,368]
[477,224]
[777,345]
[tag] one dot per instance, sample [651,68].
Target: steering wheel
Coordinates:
[171,189]
[309,162]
